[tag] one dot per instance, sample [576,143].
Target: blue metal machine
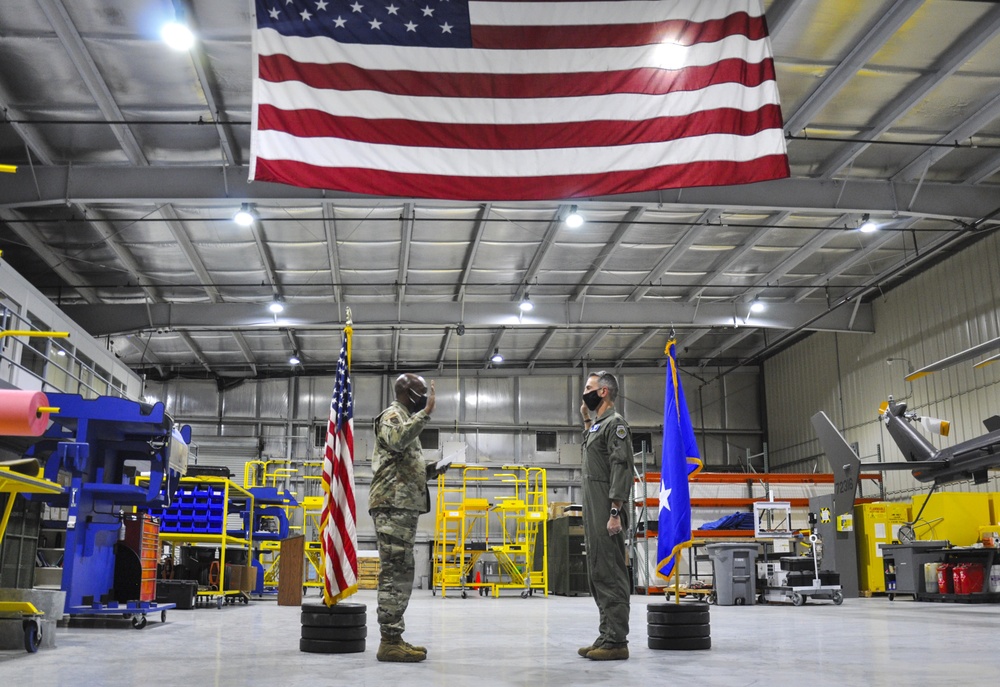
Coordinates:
[269,523]
[101,444]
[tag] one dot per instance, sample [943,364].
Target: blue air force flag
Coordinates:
[680,459]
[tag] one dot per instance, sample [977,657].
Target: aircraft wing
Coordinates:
[906,465]
[967,354]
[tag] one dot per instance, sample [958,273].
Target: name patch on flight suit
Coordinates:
[621,432]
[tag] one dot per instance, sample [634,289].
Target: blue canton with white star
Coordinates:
[420,23]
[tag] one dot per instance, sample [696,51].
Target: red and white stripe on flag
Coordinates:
[339,538]
[522,100]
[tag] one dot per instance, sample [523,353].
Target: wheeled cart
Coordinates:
[136,611]
[799,578]
[798,595]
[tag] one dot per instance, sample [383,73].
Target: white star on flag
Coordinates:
[665,498]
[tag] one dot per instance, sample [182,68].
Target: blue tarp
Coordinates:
[736,521]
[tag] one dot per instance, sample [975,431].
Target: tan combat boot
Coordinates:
[421,649]
[584,650]
[395,650]
[609,653]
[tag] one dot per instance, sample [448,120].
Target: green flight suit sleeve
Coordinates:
[620,460]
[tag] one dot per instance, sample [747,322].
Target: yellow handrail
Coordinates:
[29,332]
[8,168]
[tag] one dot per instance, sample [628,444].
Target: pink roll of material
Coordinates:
[19,414]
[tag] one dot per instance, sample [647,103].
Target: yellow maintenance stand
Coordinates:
[461,529]
[12,483]
[463,525]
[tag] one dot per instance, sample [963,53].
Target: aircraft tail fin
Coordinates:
[992,423]
[845,463]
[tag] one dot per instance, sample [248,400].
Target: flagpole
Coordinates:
[349,333]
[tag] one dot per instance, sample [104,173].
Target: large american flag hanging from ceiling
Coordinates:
[514,100]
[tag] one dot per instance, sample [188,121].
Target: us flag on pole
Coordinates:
[521,100]
[339,534]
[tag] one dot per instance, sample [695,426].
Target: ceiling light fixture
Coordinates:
[574,219]
[245,216]
[867,226]
[526,305]
[177,35]
[496,357]
[757,306]
[294,360]
[276,306]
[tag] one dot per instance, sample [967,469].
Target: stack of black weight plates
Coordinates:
[338,629]
[678,627]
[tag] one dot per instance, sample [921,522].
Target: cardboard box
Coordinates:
[556,509]
[234,578]
[249,581]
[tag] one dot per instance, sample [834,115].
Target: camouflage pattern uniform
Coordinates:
[607,477]
[398,496]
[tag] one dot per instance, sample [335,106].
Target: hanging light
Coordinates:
[526,305]
[245,216]
[177,35]
[757,306]
[276,306]
[294,360]
[867,226]
[574,220]
[496,357]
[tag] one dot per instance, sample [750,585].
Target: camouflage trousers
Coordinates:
[396,530]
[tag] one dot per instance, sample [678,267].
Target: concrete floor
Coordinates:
[533,641]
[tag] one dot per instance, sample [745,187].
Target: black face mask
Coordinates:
[592,399]
[417,403]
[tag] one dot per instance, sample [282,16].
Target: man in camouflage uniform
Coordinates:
[398,496]
[607,488]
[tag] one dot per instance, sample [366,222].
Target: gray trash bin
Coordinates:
[734,573]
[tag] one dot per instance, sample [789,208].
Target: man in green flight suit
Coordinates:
[398,496]
[607,489]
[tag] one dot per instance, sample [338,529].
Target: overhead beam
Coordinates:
[55,261]
[470,253]
[963,48]
[187,247]
[404,250]
[543,248]
[205,185]
[737,254]
[104,319]
[81,58]
[332,251]
[884,28]
[985,115]
[672,255]
[609,248]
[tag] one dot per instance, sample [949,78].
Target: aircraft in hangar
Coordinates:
[968,460]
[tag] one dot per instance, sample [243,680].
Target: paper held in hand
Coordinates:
[446,461]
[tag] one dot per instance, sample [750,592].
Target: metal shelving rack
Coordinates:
[198,516]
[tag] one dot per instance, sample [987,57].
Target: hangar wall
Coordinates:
[947,309]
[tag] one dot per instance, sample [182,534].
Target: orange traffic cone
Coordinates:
[479,578]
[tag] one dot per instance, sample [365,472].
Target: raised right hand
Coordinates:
[430,400]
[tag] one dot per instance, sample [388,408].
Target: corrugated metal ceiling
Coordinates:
[133,160]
